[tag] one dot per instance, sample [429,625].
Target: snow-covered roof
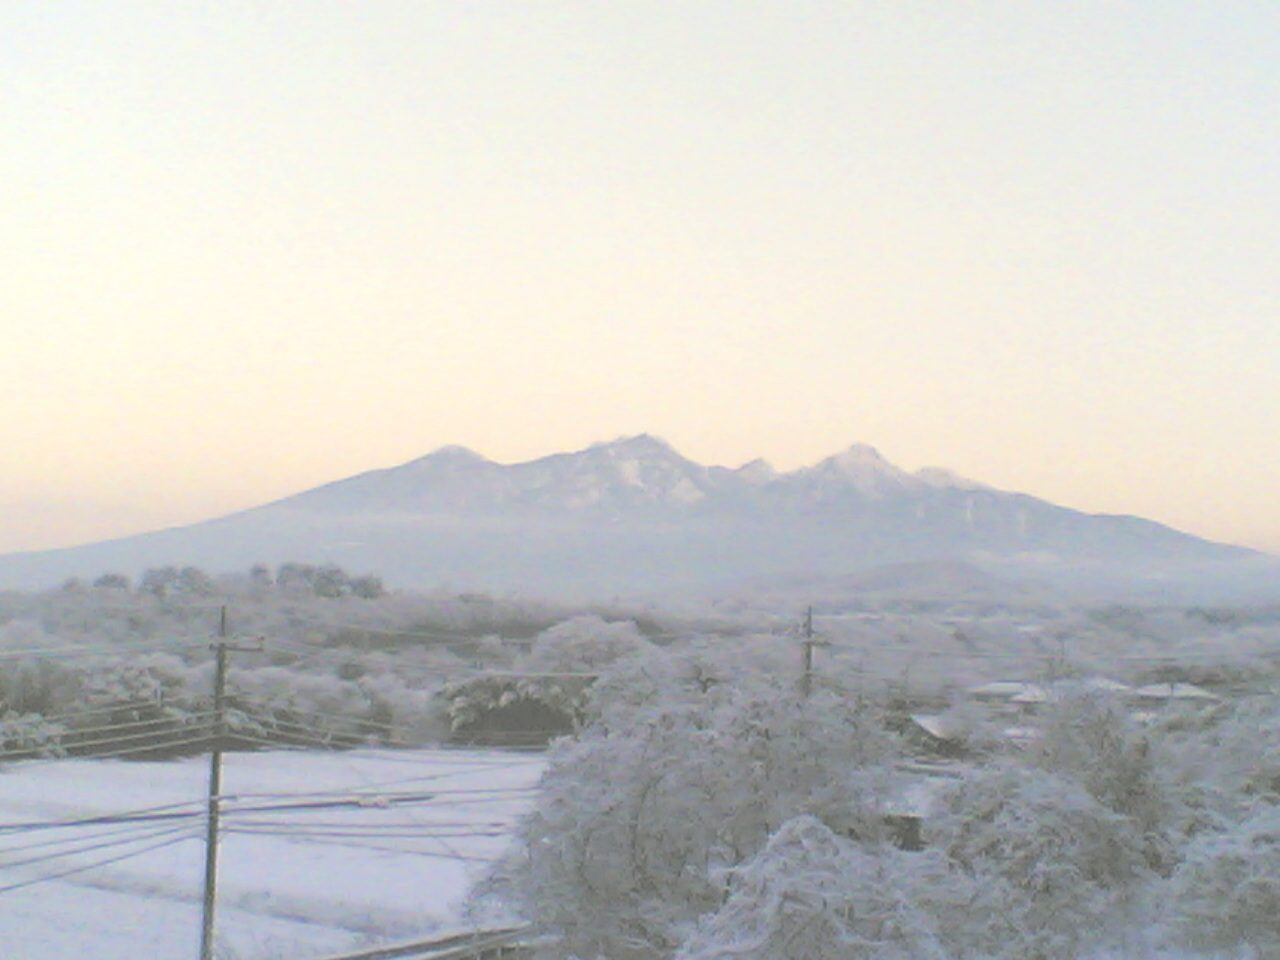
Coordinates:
[1172,691]
[935,725]
[1037,694]
[1105,684]
[1006,689]
[1022,691]
[1031,693]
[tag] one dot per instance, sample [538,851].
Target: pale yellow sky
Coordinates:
[251,247]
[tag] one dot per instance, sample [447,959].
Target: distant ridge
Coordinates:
[633,515]
[621,474]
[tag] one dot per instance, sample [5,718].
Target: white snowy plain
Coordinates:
[370,846]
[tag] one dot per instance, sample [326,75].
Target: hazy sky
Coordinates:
[251,246]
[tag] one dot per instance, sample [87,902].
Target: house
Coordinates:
[920,798]
[1172,691]
[935,735]
[1154,701]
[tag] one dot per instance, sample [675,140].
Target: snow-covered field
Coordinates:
[321,852]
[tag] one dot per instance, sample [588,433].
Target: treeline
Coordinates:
[61,702]
[327,580]
[154,705]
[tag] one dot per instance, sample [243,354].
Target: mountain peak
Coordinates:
[863,468]
[452,457]
[758,470]
[857,461]
[859,456]
[455,450]
[641,445]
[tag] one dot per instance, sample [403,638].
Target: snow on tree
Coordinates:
[812,894]
[1226,761]
[331,581]
[171,582]
[584,644]
[1226,892]
[1053,863]
[639,814]
[533,708]
[368,587]
[1088,736]
[510,709]
[112,581]
[687,674]
[38,685]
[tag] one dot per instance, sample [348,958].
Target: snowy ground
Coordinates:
[323,852]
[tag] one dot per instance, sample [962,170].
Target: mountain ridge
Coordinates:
[633,515]
[648,467]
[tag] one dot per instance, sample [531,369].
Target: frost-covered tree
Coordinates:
[296,578]
[260,578]
[1225,762]
[38,685]
[639,815]
[158,581]
[584,644]
[368,587]
[194,582]
[538,705]
[1089,737]
[509,709]
[1226,892]
[812,894]
[1053,863]
[172,583]
[331,581]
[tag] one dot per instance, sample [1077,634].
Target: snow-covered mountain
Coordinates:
[640,473]
[634,515]
[626,474]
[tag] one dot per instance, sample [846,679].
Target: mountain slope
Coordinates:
[634,515]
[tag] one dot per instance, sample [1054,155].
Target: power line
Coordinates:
[101,863]
[71,650]
[82,845]
[289,803]
[371,792]
[407,814]
[143,813]
[449,852]
[175,723]
[166,746]
[122,705]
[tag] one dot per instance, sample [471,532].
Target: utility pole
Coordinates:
[1058,665]
[806,631]
[221,648]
